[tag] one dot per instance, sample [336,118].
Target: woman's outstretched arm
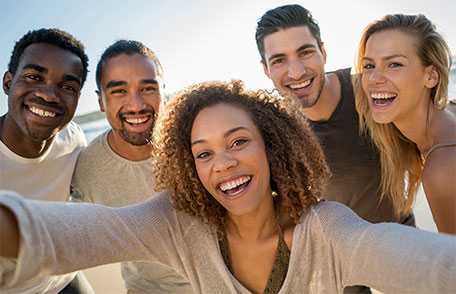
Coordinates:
[52,238]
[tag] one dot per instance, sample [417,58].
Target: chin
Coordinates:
[381,119]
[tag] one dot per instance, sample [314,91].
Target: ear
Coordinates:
[100,101]
[265,69]
[7,80]
[432,77]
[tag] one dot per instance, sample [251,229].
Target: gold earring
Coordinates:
[274,194]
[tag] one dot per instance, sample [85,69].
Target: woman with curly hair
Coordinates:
[402,101]
[243,212]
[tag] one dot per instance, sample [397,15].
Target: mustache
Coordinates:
[142,112]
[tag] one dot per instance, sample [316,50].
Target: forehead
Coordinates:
[52,58]
[288,39]
[128,68]
[391,42]
[217,119]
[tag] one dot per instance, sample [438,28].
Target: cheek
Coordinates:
[203,175]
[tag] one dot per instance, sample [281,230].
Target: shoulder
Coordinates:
[73,134]
[94,149]
[438,173]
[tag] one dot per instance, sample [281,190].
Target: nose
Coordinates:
[296,69]
[135,102]
[47,93]
[224,161]
[375,76]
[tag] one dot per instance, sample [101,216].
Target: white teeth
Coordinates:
[383,95]
[41,112]
[134,120]
[300,85]
[235,183]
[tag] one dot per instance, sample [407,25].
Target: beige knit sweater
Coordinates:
[332,247]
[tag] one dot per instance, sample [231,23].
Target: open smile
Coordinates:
[138,121]
[42,113]
[300,85]
[234,187]
[382,99]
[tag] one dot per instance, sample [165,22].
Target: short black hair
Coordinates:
[128,47]
[284,17]
[54,37]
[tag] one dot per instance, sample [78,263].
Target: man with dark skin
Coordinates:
[38,143]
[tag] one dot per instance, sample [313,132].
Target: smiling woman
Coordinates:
[402,100]
[243,212]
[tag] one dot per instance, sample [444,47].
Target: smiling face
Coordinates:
[294,61]
[230,159]
[394,79]
[130,96]
[43,92]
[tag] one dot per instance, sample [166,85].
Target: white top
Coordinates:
[332,247]
[47,177]
[102,176]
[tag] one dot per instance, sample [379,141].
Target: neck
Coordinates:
[11,135]
[254,226]
[415,125]
[127,150]
[327,102]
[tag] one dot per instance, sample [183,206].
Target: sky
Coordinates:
[200,40]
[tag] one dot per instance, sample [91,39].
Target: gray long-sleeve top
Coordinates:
[331,248]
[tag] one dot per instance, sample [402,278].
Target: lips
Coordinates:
[138,122]
[382,98]
[300,88]
[42,114]
[235,186]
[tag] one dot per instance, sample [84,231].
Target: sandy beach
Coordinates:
[107,279]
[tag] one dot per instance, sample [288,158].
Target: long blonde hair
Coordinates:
[400,158]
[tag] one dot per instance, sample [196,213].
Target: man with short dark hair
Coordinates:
[116,168]
[293,57]
[39,144]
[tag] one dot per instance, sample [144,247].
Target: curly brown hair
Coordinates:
[297,164]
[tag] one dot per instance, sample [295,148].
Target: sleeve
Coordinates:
[58,238]
[389,257]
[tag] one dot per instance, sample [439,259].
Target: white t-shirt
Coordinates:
[47,177]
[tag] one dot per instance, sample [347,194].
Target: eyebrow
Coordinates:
[386,57]
[72,78]
[227,133]
[149,81]
[41,69]
[114,83]
[303,47]
[36,67]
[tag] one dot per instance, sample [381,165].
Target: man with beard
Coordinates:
[293,57]
[116,168]
[38,143]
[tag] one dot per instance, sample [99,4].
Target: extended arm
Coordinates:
[57,238]
[389,257]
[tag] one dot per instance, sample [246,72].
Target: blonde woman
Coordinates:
[403,104]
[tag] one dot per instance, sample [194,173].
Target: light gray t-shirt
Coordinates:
[46,177]
[331,248]
[102,176]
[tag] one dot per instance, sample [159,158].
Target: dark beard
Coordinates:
[137,139]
